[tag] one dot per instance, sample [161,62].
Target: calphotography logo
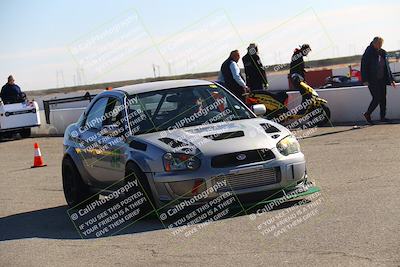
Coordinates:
[100,51]
[211,39]
[110,213]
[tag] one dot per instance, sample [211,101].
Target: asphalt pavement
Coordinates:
[353,221]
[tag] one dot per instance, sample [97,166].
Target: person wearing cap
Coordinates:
[297,69]
[297,64]
[11,93]
[230,76]
[376,73]
[256,78]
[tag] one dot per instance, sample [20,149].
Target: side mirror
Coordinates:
[111,130]
[259,109]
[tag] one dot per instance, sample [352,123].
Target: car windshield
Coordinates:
[183,107]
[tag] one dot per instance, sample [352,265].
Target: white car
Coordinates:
[18,118]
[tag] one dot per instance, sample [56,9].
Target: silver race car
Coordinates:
[178,139]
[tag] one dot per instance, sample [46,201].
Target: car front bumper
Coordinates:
[251,179]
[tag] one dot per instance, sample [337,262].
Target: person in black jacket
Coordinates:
[256,78]
[297,70]
[376,73]
[297,65]
[11,93]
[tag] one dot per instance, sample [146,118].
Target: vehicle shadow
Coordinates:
[55,223]
[8,139]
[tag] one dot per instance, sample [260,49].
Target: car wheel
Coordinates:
[25,133]
[133,172]
[327,112]
[75,190]
[318,116]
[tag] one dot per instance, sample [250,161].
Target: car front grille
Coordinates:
[239,181]
[240,158]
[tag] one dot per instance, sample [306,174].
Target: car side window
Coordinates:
[94,119]
[115,112]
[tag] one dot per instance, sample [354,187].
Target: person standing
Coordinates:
[256,78]
[297,71]
[297,65]
[230,76]
[376,74]
[11,93]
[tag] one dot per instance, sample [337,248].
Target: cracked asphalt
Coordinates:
[353,221]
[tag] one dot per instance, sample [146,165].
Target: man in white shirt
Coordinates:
[230,76]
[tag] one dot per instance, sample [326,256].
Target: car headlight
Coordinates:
[288,145]
[180,161]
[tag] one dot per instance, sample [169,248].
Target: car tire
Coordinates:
[315,113]
[75,190]
[327,117]
[25,133]
[132,172]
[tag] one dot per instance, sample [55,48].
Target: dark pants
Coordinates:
[378,92]
[256,86]
[237,91]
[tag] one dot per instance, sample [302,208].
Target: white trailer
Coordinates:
[18,118]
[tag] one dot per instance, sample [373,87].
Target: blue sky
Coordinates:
[42,43]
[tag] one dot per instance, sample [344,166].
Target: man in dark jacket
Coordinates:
[297,65]
[297,70]
[376,73]
[256,78]
[11,93]
[230,76]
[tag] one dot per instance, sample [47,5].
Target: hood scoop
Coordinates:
[172,142]
[269,129]
[223,136]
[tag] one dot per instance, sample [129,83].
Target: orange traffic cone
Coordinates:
[37,159]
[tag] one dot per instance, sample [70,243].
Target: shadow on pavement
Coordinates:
[337,131]
[54,223]
[364,123]
[8,139]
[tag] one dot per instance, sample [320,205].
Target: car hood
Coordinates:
[219,138]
